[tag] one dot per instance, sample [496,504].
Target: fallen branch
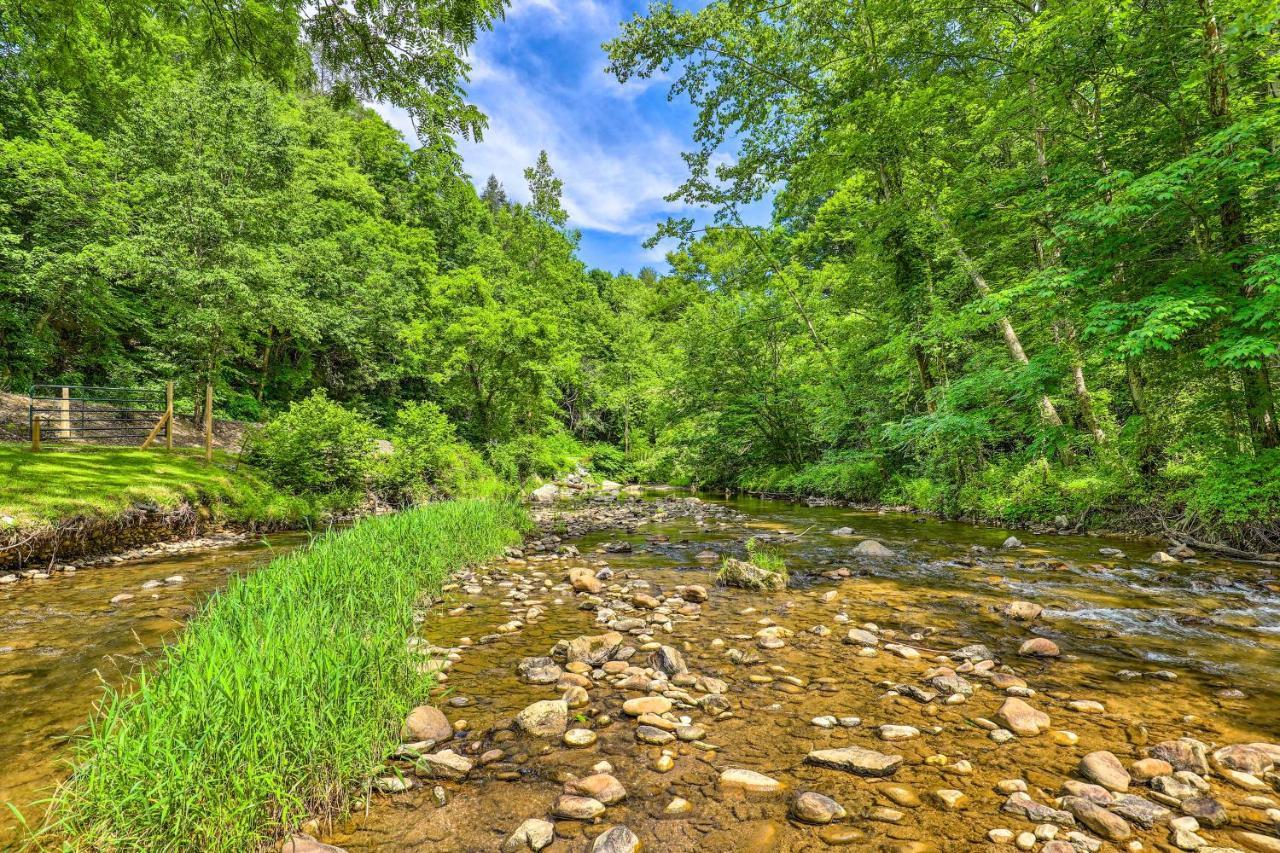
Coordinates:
[1224,550]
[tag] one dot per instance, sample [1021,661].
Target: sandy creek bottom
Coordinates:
[1216,625]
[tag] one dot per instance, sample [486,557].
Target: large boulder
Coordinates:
[593,650]
[872,549]
[426,723]
[746,575]
[546,493]
[584,580]
[1021,719]
[548,718]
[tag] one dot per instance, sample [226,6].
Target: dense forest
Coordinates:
[1024,261]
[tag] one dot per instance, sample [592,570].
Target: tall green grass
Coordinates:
[279,698]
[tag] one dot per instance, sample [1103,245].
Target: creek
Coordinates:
[1169,650]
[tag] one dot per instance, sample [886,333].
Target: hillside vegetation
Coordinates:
[1022,264]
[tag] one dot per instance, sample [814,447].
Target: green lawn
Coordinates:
[54,484]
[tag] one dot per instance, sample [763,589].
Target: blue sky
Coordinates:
[539,76]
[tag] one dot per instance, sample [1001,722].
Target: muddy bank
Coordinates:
[952,691]
[82,542]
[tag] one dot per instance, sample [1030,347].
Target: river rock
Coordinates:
[445,764]
[1105,769]
[892,733]
[812,807]
[669,660]
[654,735]
[619,839]
[594,650]
[856,760]
[577,808]
[693,592]
[533,834]
[1093,816]
[545,493]
[1206,810]
[872,549]
[1243,758]
[579,738]
[1039,647]
[1020,803]
[1256,841]
[1149,768]
[548,718]
[646,705]
[1012,542]
[1021,719]
[746,575]
[540,670]
[426,723]
[861,637]
[1023,611]
[1184,754]
[749,780]
[583,580]
[1138,810]
[598,786]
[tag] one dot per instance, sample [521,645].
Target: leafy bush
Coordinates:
[1233,490]
[847,475]
[315,447]
[429,461]
[544,456]
[608,460]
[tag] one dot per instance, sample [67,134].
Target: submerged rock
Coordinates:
[548,718]
[856,760]
[872,549]
[749,780]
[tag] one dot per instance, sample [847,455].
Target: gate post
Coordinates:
[35,435]
[168,411]
[64,412]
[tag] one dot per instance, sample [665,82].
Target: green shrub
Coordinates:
[544,456]
[608,460]
[1230,491]
[846,475]
[429,461]
[282,696]
[316,447]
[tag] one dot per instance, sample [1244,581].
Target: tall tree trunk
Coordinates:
[1259,401]
[1063,326]
[1048,412]
[926,377]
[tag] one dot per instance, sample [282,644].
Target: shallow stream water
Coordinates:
[61,639]
[1215,625]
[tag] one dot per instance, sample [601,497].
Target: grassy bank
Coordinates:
[41,489]
[1234,500]
[280,697]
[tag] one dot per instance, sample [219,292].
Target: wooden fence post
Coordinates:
[35,435]
[64,413]
[208,422]
[168,411]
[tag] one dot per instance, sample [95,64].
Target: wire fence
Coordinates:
[98,413]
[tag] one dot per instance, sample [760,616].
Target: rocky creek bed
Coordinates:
[948,691]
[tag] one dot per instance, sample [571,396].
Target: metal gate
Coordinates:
[100,414]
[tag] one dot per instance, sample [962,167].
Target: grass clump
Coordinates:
[38,489]
[763,569]
[279,698]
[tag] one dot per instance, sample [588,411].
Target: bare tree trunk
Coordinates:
[1048,412]
[1259,402]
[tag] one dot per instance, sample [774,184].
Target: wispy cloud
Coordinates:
[540,78]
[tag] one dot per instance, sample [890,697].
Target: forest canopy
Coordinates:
[1023,264]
